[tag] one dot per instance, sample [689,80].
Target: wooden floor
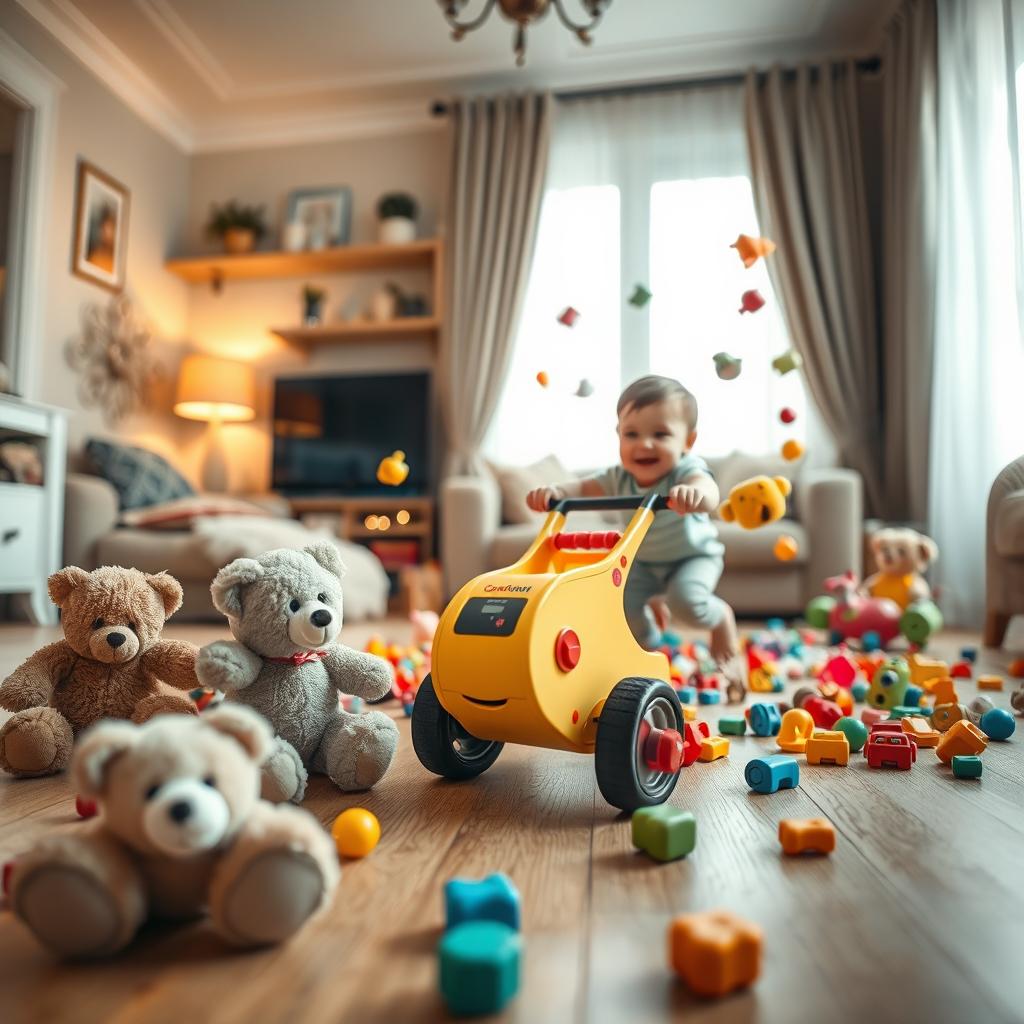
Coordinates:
[917,916]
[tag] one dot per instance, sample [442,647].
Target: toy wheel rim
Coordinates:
[659,714]
[467,747]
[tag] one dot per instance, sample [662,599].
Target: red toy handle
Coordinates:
[600,541]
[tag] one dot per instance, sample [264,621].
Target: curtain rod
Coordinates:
[866,64]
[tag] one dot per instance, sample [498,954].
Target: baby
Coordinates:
[681,556]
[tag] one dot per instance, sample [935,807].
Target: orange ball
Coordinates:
[786,548]
[356,832]
[792,450]
[542,379]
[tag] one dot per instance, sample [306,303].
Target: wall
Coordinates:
[93,124]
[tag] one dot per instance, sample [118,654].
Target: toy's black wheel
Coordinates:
[443,746]
[625,779]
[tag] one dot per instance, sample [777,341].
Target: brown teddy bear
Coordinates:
[181,830]
[902,556]
[107,666]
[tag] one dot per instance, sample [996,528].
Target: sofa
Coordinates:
[1004,552]
[824,515]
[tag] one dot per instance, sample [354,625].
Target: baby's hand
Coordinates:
[539,497]
[685,498]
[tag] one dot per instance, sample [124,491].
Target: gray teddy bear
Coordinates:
[285,611]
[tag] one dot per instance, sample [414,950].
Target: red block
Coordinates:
[824,712]
[694,734]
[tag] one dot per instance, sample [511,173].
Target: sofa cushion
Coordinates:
[178,552]
[755,549]
[1009,526]
[181,513]
[516,482]
[140,477]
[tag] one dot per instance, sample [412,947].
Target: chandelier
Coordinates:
[523,13]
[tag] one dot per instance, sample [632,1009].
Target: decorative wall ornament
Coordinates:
[113,357]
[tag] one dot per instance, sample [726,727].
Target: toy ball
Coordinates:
[786,548]
[755,502]
[792,450]
[997,724]
[542,379]
[393,469]
[86,808]
[787,415]
[355,832]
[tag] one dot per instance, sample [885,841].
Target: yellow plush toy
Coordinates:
[757,501]
[902,556]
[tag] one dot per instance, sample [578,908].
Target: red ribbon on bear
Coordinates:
[301,657]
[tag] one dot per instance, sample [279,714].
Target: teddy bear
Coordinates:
[181,830]
[756,502]
[107,666]
[902,556]
[285,612]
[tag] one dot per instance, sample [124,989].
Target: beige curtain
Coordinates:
[804,136]
[910,165]
[499,159]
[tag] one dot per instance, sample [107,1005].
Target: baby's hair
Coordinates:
[654,388]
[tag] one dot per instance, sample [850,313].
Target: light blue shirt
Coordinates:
[671,537]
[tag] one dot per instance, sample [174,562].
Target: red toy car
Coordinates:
[891,750]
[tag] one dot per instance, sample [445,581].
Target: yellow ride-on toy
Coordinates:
[540,653]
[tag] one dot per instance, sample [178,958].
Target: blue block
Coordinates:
[772,773]
[912,698]
[687,694]
[407,708]
[860,691]
[997,724]
[670,638]
[968,654]
[479,967]
[709,697]
[493,898]
[967,766]
[775,625]
[778,684]
[765,719]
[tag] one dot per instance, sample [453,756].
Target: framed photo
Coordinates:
[101,228]
[325,213]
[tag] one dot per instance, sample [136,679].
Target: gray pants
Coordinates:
[689,589]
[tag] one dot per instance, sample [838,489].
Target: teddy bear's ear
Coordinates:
[927,549]
[327,555]
[248,728]
[169,590]
[96,751]
[783,485]
[61,583]
[226,588]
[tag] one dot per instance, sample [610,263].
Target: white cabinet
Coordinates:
[32,517]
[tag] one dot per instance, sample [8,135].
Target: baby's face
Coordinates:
[653,439]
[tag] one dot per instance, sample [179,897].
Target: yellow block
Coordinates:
[990,682]
[713,748]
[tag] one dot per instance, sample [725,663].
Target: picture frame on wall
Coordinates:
[101,228]
[325,215]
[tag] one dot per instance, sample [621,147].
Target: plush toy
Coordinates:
[285,612]
[902,556]
[107,666]
[756,502]
[181,830]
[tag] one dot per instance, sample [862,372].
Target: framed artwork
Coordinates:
[101,228]
[325,213]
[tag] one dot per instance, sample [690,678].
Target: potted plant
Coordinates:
[238,226]
[313,305]
[396,214]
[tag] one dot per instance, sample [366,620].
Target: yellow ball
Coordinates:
[792,450]
[786,548]
[356,832]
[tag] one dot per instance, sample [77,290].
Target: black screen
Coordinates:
[490,616]
[330,433]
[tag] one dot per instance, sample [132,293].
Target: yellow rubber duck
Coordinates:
[393,469]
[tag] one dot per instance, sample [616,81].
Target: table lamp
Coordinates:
[216,391]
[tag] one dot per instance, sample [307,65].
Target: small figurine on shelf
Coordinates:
[238,227]
[396,213]
[313,303]
[406,304]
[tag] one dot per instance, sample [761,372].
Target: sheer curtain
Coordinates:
[976,425]
[652,190]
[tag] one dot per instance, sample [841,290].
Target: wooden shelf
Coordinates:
[218,268]
[358,329]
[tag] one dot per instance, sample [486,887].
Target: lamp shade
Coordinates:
[214,389]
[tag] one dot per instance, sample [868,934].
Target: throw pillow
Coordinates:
[181,513]
[516,482]
[140,477]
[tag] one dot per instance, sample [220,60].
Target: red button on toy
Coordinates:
[567,650]
[616,577]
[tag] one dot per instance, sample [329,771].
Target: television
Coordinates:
[331,432]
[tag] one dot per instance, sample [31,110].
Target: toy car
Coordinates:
[540,653]
[887,749]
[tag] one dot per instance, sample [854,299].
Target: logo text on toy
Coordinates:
[506,588]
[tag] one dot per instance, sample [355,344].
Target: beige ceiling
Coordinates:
[221,73]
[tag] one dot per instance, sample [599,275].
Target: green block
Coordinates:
[854,730]
[479,963]
[732,726]
[966,766]
[663,832]
[902,711]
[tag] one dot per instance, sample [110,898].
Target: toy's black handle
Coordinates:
[655,502]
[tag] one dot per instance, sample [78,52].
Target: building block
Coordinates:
[795,730]
[733,726]
[763,678]
[772,773]
[715,952]
[967,766]
[709,696]
[828,747]
[694,734]
[997,724]
[942,690]
[990,682]
[687,694]
[838,695]
[841,670]
[713,748]
[962,737]
[807,835]
[922,669]
[1016,669]
[860,691]
[921,731]
[961,670]
[871,716]
[969,653]
[494,898]
[689,713]
[912,698]
[824,712]
[901,711]
[664,832]
[978,707]
[856,733]
[479,966]
[945,716]
[765,719]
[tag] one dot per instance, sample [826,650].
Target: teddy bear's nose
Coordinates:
[321,617]
[180,810]
[115,639]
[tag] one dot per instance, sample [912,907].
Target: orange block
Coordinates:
[924,669]
[963,737]
[715,952]
[807,835]
[990,682]
[945,716]
[713,748]
[826,747]
[943,690]
[920,731]
[1016,669]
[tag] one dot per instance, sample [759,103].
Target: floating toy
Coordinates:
[393,469]
[788,361]
[787,415]
[640,297]
[755,502]
[726,366]
[568,316]
[584,389]
[751,249]
[751,301]
[786,548]
[792,450]
[542,378]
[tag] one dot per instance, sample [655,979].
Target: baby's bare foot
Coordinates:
[725,639]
